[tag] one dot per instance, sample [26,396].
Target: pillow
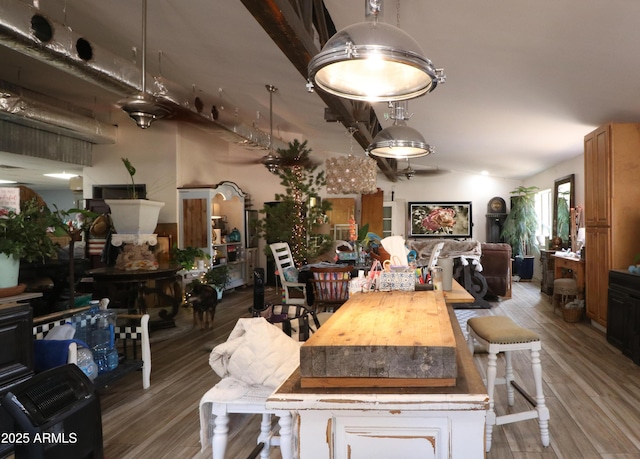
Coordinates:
[290,274]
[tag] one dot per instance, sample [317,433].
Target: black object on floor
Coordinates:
[56,414]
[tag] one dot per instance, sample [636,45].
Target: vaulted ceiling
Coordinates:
[525,80]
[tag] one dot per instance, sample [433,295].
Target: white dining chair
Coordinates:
[294,292]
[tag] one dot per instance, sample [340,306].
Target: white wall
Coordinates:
[168,156]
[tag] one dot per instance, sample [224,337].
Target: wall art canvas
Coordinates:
[440,219]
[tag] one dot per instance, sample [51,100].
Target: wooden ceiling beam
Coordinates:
[282,21]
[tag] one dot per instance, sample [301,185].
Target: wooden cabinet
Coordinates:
[199,209]
[372,213]
[597,265]
[623,324]
[612,210]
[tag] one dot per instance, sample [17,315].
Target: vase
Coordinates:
[9,271]
[134,216]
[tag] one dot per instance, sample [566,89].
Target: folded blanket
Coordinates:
[256,352]
[256,358]
[470,249]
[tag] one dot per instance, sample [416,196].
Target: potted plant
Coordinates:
[133,215]
[218,277]
[293,219]
[519,230]
[188,256]
[24,235]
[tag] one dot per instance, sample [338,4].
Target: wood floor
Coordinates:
[592,391]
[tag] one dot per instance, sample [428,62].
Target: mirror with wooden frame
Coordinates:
[563,202]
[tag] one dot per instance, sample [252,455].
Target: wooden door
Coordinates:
[602,173]
[597,183]
[372,210]
[597,273]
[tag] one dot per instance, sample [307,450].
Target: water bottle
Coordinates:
[86,363]
[103,339]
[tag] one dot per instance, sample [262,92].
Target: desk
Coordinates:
[136,284]
[457,294]
[576,265]
[438,422]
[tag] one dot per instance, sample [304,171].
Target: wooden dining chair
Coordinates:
[330,286]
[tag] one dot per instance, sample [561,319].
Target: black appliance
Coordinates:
[56,415]
[258,289]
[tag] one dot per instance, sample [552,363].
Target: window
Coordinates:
[545,216]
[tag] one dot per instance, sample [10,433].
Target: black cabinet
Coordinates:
[16,356]
[623,313]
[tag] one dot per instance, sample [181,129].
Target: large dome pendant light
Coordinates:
[142,107]
[399,140]
[374,62]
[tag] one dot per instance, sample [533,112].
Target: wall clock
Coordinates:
[497,206]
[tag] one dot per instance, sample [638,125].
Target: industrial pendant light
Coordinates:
[143,108]
[399,140]
[374,62]
[271,161]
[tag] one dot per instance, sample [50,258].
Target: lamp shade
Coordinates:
[399,141]
[375,62]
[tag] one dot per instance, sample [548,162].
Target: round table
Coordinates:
[137,282]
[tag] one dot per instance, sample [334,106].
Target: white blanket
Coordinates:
[256,358]
[256,352]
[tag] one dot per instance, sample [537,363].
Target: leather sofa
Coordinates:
[496,268]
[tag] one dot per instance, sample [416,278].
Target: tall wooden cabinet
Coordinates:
[198,211]
[612,208]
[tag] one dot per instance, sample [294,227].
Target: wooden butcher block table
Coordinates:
[383,339]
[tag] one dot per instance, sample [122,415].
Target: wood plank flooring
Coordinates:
[591,389]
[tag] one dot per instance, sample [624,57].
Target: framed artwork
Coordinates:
[440,219]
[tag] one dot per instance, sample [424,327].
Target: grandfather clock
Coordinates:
[496,215]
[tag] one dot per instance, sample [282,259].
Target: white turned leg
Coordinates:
[265,435]
[509,377]
[470,341]
[220,433]
[286,436]
[491,382]
[543,411]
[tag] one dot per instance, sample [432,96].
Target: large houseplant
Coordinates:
[24,236]
[293,219]
[519,229]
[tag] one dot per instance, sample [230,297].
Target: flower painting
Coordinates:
[451,219]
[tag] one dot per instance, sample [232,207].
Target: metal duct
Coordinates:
[68,51]
[27,141]
[21,106]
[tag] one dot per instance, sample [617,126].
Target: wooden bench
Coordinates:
[131,330]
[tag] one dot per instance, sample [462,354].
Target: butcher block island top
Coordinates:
[383,339]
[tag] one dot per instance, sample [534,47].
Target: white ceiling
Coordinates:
[525,80]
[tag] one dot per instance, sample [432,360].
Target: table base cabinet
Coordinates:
[623,321]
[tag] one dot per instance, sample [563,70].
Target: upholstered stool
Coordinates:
[500,334]
[564,288]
